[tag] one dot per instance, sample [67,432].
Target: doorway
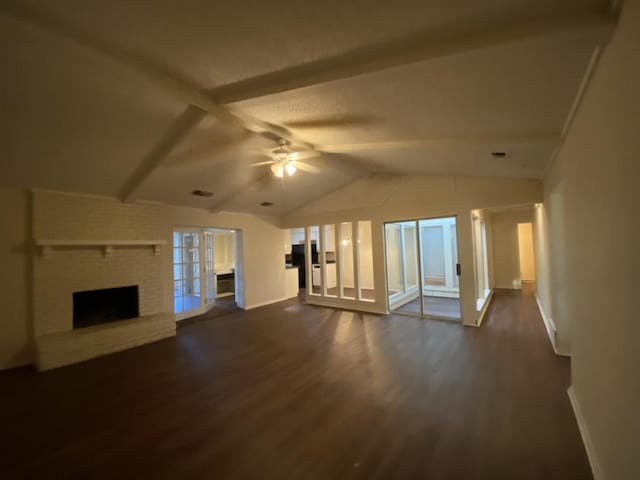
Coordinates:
[526,256]
[422,267]
[204,269]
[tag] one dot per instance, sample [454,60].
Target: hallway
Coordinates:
[292,391]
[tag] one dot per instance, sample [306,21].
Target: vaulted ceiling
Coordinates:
[152,99]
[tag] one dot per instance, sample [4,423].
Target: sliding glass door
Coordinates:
[422,267]
[402,266]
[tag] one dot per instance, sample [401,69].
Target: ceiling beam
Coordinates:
[154,158]
[410,49]
[403,51]
[173,82]
[199,101]
[498,140]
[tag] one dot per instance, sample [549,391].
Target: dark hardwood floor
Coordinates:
[292,391]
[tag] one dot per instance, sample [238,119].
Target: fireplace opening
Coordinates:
[93,307]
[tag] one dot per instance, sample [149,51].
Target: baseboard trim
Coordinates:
[485,307]
[550,327]
[264,304]
[586,437]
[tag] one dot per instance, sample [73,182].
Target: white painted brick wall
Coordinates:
[73,217]
[71,269]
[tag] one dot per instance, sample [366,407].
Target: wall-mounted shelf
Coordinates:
[46,246]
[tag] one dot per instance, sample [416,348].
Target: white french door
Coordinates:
[194,285]
[209,268]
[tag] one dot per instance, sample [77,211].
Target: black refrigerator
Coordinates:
[298,260]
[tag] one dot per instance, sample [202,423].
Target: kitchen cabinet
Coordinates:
[330,278]
[291,278]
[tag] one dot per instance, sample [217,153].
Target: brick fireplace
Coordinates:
[72,260]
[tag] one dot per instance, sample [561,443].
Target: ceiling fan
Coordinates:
[286,159]
[283,160]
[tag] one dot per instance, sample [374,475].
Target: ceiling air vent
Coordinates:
[201,193]
[498,154]
[266,204]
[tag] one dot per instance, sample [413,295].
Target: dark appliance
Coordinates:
[298,260]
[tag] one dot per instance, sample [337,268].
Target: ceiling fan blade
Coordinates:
[305,154]
[305,167]
[338,121]
[269,135]
[257,164]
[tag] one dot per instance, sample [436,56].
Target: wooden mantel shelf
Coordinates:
[107,245]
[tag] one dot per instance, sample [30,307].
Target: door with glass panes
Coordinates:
[422,267]
[193,276]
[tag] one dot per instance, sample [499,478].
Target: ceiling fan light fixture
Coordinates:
[278,170]
[290,167]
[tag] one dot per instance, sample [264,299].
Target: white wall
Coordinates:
[596,183]
[505,248]
[542,255]
[393,256]
[387,198]
[224,251]
[15,244]
[554,207]
[482,244]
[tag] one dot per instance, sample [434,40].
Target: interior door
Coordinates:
[187,273]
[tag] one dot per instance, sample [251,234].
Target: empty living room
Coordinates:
[320,240]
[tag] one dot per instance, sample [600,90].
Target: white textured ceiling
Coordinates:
[75,119]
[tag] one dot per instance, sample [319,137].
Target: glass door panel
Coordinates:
[402,267]
[439,253]
[421,260]
[186,271]
[209,268]
[410,257]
